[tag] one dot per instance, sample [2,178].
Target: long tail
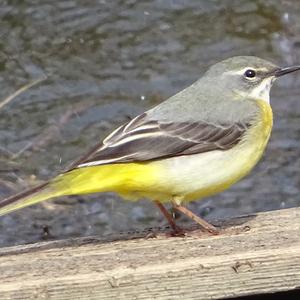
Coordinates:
[76,182]
[26,198]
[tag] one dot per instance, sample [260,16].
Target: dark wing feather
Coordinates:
[142,140]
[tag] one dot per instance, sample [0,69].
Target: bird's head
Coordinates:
[246,76]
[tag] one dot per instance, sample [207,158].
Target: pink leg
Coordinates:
[208,227]
[168,216]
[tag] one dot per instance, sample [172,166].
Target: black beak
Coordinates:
[287,70]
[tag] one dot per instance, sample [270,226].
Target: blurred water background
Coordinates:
[107,61]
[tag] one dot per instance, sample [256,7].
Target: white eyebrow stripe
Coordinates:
[242,71]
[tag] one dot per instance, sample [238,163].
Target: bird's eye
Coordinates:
[250,73]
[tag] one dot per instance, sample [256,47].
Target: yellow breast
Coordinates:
[260,132]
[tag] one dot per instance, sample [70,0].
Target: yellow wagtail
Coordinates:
[196,143]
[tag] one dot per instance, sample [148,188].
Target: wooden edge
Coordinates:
[253,255]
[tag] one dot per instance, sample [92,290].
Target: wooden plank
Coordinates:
[254,254]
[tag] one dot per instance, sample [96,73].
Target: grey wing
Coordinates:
[142,139]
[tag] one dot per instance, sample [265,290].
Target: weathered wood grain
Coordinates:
[257,254]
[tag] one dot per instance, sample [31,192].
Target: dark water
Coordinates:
[107,61]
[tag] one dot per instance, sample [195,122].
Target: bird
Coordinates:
[195,144]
